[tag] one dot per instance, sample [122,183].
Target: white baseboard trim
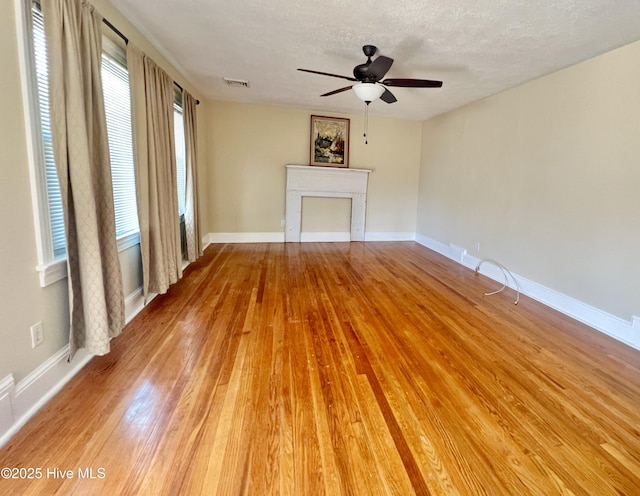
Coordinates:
[389,236]
[244,237]
[436,246]
[205,242]
[134,303]
[35,390]
[305,237]
[7,391]
[627,332]
[325,237]
[21,402]
[346,236]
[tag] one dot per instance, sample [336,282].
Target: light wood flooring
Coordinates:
[341,369]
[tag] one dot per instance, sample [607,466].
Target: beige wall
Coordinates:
[546,178]
[22,301]
[249,145]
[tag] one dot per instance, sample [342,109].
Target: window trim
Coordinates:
[128,240]
[48,265]
[57,270]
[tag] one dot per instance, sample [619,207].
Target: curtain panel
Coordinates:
[81,150]
[191,215]
[152,98]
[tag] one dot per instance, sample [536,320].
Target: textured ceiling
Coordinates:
[477,47]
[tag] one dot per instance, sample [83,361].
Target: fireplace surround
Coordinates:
[325,182]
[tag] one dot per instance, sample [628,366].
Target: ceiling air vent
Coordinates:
[236,82]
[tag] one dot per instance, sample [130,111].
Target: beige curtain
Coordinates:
[74,48]
[152,98]
[191,216]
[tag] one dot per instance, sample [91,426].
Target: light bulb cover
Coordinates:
[368,92]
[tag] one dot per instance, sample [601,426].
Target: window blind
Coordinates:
[54,198]
[178,132]
[117,104]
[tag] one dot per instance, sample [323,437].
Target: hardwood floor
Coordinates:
[341,369]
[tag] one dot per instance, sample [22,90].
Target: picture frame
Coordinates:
[329,144]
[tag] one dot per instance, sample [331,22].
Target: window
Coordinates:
[117,104]
[54,199]
[48,213]
[178,132]
[50,218]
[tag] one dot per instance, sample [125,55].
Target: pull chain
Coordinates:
[366,122]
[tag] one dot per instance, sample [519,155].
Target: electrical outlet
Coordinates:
[282,224]
[37,334]
[477,245]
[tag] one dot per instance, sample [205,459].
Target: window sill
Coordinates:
[128,240]
[57,270]
[52,272]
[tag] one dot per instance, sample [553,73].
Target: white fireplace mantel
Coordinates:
[328,182]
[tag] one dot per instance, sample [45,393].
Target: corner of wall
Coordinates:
[628,332]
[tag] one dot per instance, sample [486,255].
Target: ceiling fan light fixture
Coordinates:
[368,92]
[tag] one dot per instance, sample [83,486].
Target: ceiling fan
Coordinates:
[368,84]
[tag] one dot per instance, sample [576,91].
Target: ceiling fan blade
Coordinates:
[412,83]
[378,68]
[337,91]
[328,74]
[388,97]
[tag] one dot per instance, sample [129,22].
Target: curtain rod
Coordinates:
[126,41]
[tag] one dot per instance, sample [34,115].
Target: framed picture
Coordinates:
[329,141]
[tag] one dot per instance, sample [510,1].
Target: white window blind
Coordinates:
[178,132]
[117,103]
[56,218]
